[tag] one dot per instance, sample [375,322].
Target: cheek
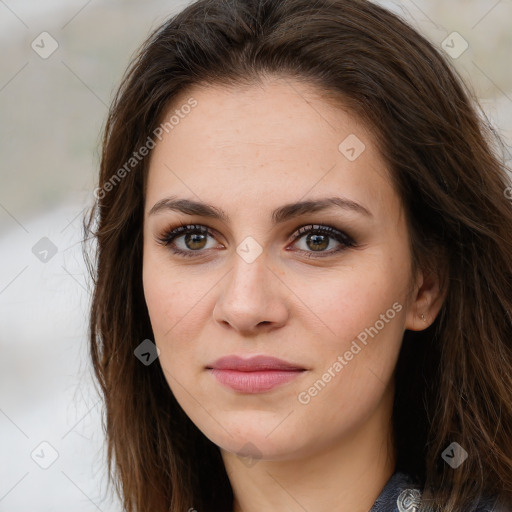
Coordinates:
[167,304]
[364,317]
[354,367]
[179,306]
[166,299]
[168,294]
[353,300]
[159,300]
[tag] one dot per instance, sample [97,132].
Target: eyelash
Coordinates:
[171,234]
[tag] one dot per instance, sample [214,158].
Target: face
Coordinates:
[302,254]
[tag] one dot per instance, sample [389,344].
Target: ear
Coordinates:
[426,300]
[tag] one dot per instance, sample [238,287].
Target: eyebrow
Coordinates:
[280,215]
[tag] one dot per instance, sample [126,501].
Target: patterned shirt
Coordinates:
[402,494]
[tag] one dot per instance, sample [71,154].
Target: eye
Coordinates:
[191,240]
[318,238]
[194,238]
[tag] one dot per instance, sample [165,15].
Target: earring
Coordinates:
[422,316]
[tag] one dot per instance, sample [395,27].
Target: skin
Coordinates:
[249,151]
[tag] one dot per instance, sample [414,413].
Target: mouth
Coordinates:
[254,375]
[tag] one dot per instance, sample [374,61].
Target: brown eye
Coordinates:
[317,242]
[195,241]
[317,239]
[187,240]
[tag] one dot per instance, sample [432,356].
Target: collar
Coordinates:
[400,494]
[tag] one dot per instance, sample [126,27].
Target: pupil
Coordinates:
[195,238]
[319,241]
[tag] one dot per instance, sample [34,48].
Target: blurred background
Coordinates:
[60,63]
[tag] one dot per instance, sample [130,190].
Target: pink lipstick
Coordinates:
[254,375]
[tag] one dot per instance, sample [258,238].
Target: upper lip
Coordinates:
[254,363]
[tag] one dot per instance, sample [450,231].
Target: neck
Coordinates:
[350,473]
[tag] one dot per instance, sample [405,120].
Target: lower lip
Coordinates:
[254,382]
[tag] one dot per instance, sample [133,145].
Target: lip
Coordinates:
[253,375]
[253,364]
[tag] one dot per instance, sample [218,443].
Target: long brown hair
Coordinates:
[454,379]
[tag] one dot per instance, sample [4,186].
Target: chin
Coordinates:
[253,441]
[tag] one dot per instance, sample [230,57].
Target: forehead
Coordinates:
[278,136]
[262,108]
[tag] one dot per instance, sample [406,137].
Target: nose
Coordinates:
[252,298]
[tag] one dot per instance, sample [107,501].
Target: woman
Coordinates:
[303,280]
